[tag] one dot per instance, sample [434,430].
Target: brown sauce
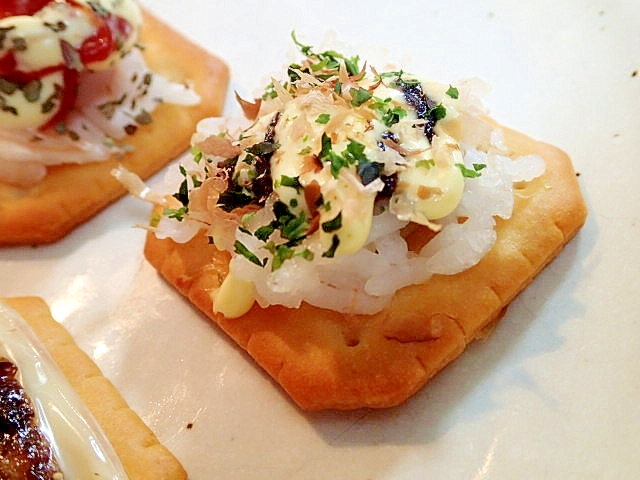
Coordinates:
[25,453]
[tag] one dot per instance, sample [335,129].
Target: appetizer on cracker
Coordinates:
[61,418]
[362,229]
[83,85]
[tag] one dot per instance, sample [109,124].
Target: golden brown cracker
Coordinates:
[142,455]
[71,194]
[326,360]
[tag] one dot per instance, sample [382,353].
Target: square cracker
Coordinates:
[71,194]
[141,454]
[325,360]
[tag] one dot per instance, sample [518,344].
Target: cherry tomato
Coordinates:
[10,8]
[105,41]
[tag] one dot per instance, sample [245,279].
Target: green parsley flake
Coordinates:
[393,116]
[452,92]
[333,224]
[292,182]
[241,249]
[331,252]
[323,118]
[426,163]
[177,213]
[389,115]
[32,91]
[329,59]
[438,112]
[471,172]
[359,96]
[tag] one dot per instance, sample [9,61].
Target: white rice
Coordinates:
[364,282]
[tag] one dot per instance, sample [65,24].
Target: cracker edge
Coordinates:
[141,453]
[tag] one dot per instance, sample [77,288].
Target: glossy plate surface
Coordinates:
[552,394]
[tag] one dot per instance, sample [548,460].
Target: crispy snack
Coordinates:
[326,360]
[71,194]
[140,452]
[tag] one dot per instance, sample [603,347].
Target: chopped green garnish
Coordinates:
[264,232]
[393,116]
[323,118]
[108,109]
[292,182]
[143,118]
[306,254]
[291,226]
[305,49]
[177,213]
[426,163]
[329,59]
[452,92]
[471,173]
[183,191]
[379,104]
[354,152]
[438,112]
[390,115]
[333,224]
[59,26]
[295,228]
[280,254]
[285,252]
[330,253]
[359,96]
[328,155]
[234,198]
[197,153]
[269,92]
[352,155]
[241,249]
[32,91]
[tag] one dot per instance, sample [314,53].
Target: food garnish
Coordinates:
[315,197]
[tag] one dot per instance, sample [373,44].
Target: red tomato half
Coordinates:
[10,8]
[105,41]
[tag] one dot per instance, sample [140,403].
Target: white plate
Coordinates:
[552,394]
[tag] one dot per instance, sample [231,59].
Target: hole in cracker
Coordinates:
[352,342]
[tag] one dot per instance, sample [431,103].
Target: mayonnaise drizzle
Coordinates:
[79,444]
